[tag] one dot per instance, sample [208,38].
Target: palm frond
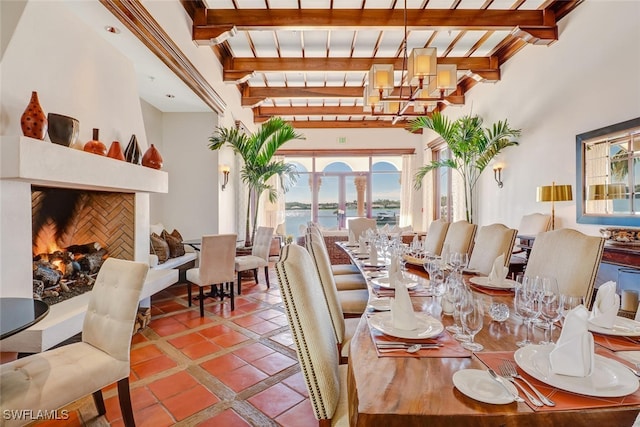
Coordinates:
[424,170]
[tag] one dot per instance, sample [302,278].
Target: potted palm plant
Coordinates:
[472,149]
[257,151]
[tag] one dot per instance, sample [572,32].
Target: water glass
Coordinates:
[550,309]
[472,317]
[527,303]
[568,303]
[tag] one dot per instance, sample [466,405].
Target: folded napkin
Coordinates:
[373,255]
[606,306]
[393,269]
[402,314]
[498,271]
[574,351]
[352,238]
[362,245]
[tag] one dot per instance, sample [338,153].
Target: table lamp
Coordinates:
[554,193]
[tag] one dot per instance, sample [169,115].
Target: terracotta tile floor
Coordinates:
[228,369]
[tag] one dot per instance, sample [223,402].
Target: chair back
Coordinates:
[460,236]
[532,224]
[217,259]
[316,345]
[359,226]
[314,243]
[262,242]
[113,306]
[571,257]
[491,242]
[435,236]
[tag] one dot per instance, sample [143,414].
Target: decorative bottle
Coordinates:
[115,151]
[152,158]
[34,120]
[132,153]
[95,146]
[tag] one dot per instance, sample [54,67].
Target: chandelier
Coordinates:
[423,83]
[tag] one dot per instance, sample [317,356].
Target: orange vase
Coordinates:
[115,151]
[33,120]
[152,158]
[95,146]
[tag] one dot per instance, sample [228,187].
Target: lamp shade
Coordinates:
[421,64]
[554,193]
[381,76]
[606,191]
[446,80]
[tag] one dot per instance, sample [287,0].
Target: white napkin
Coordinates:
[352,238]
[606,306]
[574,352]
[373,255]
[498,271]
[393,270]
[362,245]
[402,314]
[415,243]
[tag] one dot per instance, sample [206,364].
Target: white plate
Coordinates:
[384,282]
[378,264]
[470,271]
[361,256]
[609,378]
[374,274]
[622,327]
[426,327]
[479,385]
[380,304]
[484,282]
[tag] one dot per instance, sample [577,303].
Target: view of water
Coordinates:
[294,218]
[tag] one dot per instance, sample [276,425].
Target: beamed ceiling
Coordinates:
[307,60]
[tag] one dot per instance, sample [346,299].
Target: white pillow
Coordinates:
[156,228]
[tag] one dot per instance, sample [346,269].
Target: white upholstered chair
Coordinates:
[359,226]
[217,267]
[459,238]
[352,301]
[531,225]
[337,269]
[435,236]
[58,377]
[347,277]
[259,257]
[571,257]
[491,242]
[315,339]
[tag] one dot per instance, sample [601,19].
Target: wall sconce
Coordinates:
[497,175]
[225,169]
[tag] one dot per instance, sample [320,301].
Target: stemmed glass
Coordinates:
[459,261]
[550,306]
[527,304]
[458,294]
[568,303]
[472,316]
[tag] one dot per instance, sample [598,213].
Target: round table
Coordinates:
[17,314]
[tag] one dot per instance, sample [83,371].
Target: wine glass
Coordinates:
[459,261]
[550,306]
[460,294]
[472,317]
[527,304]
[568,303]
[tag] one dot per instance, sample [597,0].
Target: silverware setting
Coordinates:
[501,380]
[508,369]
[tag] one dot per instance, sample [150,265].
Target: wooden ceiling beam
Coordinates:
[333,124]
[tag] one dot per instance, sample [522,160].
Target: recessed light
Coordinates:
[170,95]
[112,30]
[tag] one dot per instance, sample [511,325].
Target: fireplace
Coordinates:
[73,232]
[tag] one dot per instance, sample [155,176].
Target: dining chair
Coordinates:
[353,301]
[216,268]
[460,236]
[343,328]
[55,378]
[435,236]
[259,257]
[339,269]
[570,256]
[315,340]
[530,225]
[491,242]
[359,226]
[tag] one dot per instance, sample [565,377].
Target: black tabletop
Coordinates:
[17,314]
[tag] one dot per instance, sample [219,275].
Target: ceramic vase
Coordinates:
[95,146]
[33,120]
[115,151]
[63,130]
[152,158]
[132,153]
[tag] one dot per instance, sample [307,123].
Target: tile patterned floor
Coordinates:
[227,369]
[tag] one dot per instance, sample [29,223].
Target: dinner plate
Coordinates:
[361,255]
[622,327]
[609,378]
[385,282]
[484,282]
[380,304]
[470,271]
[377,264]
[426,326]
[479,385]
[374,274]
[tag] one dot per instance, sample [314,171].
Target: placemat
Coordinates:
[614,343]
[491,292]
[450,347]
[381,292]
[564,400]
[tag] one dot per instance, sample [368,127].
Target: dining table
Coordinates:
[403,389]
[17,314]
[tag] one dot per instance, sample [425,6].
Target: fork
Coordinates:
[511,371]
[505,373]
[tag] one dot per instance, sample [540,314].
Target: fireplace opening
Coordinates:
[73,232]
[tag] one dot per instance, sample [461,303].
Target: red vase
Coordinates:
[34,120]
[152,158]
[95,146]
[115,151]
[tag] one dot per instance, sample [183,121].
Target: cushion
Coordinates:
[174,240]
[159,247]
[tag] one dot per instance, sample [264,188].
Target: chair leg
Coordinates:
[201,301]
[239,283]
[124,396]
[189,292]
[99,401]
[255,275]
[266,276]
[233,303]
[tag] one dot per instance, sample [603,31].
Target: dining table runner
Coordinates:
[564,400]
[450,347]
[616,343]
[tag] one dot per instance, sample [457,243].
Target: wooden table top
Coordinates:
[409,391]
